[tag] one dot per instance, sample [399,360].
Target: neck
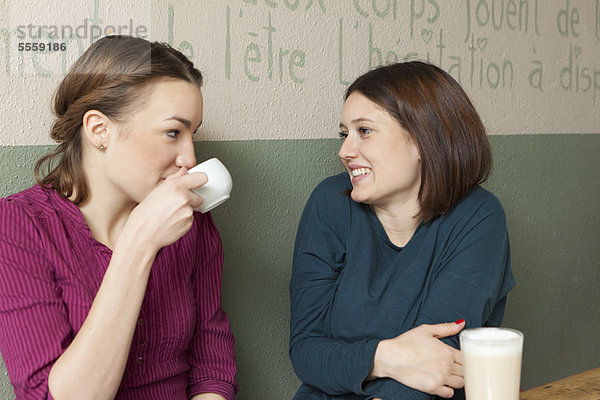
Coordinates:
[105,211]
[105,218]
[399,222]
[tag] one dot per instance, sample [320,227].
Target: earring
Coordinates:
[101,147]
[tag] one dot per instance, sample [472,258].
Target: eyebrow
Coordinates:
[354,121]
[184,121]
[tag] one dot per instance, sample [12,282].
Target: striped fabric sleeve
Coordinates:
[34,329]
[212,348]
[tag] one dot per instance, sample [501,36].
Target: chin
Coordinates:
[356,196]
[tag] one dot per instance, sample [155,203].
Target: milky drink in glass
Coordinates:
[492,363]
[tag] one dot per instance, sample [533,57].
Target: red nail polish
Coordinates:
[460,321]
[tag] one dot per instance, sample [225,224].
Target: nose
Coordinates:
[348,149]
[186,156]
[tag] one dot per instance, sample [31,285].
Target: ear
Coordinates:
[96,128]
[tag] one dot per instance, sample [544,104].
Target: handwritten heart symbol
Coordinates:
[482,43]
[426,35]
[577,51]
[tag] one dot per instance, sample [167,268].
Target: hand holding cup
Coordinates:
[218,188]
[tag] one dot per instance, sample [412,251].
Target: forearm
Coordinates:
[336,367]
[93,364]
[212,362]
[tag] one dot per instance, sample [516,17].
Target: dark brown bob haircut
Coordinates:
[437,113]
[111,76]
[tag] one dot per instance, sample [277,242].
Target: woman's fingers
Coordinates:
[194,180]
[453,382]
[181,179]
[446,329]
[166,213]
[458,359]
[445,392]
[456,381]
[180,172]
[457,368]
[188,181]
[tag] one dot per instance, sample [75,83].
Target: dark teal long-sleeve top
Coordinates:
[351,287]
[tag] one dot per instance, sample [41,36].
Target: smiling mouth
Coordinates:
[360,171]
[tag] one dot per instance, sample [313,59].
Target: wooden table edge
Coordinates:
[582,386]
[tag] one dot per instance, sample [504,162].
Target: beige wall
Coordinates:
[531,66]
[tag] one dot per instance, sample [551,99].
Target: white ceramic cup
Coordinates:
[218,188]
[492,363]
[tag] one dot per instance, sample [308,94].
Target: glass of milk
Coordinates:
[492,363]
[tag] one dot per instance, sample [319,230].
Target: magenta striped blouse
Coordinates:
[50,270]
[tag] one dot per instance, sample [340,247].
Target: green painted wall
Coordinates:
[548,184]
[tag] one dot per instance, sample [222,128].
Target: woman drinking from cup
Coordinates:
[110,282]
[390,252]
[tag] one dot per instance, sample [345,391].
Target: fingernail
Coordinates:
[460,321]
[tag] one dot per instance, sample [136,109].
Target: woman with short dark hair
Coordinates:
[110,282]
[405,241]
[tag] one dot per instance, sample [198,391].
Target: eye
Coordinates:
[364,131]
[343,135]
[173,133]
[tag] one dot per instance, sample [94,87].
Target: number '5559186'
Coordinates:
[25,46]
